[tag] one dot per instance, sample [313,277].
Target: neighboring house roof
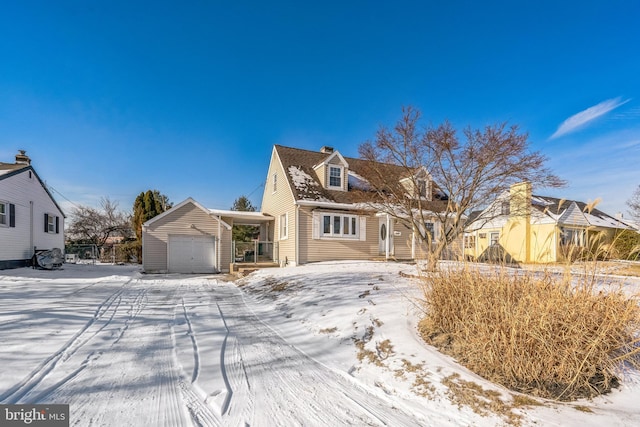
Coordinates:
[8,170]
[573,212]
[299,167]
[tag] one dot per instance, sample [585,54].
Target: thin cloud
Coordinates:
[583,117]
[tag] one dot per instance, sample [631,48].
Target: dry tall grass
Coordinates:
[542,334]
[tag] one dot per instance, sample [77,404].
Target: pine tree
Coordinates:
[243,233]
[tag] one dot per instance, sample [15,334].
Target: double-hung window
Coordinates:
[7,214]
[335,176]
[4,213]
[51,224]
[338,225]
[284,226]
[430,231]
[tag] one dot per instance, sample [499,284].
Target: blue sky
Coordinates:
[114,98]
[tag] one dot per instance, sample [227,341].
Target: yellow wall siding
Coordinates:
[278,203]
[544,243]
[313,250]
[178,222]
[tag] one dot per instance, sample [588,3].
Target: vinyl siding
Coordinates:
[278,203]
[178,222]
[313,250]
[22,191]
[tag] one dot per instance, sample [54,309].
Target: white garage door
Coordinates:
[191,254]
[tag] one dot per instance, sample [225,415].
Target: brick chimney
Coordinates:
[22,158]
[326,149]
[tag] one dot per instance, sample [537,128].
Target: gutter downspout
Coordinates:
[218,259]
[31,248]
[388,242]
[296,235]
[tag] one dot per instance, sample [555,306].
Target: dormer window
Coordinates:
[422,188]
[505,208]
[335,176]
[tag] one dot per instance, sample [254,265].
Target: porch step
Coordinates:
[244,268]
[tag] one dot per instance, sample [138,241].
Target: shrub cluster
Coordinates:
[547,335]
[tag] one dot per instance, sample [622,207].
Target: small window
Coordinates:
[422,188]
[51,223]
[429,230]
[336,225]
[505,208]
[469,241]
[284,226]
[4,213]
[335,176]
[495,238]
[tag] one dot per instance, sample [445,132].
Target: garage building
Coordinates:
[189,238]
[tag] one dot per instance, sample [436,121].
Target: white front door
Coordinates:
[385,236]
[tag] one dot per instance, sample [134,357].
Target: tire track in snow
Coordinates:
[33,379]
[292,388]
[194,344]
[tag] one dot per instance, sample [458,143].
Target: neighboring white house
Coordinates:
[30,218]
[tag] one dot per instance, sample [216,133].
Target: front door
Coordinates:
[384,234]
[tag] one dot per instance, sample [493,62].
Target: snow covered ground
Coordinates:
[318,345]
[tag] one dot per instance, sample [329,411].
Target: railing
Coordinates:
[255,251]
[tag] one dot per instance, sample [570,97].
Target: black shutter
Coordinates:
[46,223]
[57,225]
[12,215]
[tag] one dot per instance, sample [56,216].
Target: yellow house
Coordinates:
[521,227]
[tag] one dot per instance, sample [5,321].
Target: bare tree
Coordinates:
[444,178]
[95,226]
[634,204]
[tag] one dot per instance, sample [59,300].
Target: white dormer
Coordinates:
[333,172]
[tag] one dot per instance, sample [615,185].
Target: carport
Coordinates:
[190,238]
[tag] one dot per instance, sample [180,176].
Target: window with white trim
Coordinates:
[284,226]
[469,241]
[335,176]
[494,238]
[429,229]
[572,236]
[51,224]
[337,225]
[4,213]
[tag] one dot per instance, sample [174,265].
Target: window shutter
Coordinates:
[46,223]
[315,226]
[363,228]
[12,215]
[57,225]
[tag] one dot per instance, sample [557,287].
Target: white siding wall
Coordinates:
[23,192]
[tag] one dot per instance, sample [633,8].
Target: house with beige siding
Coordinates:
[189,238]
[523,227]
[316,199]
[315,207]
